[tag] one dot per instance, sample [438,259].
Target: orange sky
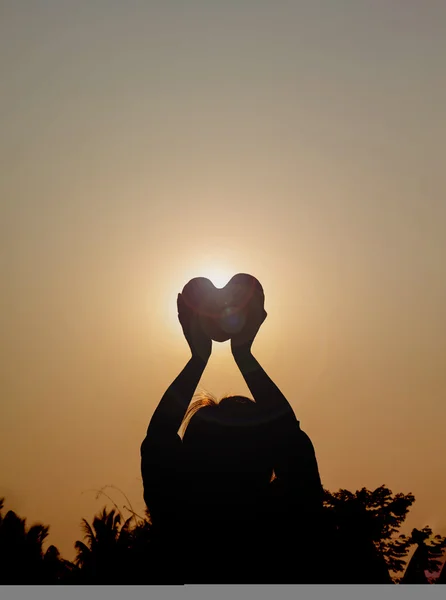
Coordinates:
[145,143]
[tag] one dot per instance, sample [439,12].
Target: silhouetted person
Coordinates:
[218,514]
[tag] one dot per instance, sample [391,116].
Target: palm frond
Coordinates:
[37,534]
[83,553]
[90,535]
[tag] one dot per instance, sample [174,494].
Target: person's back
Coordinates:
[218,516]
[227,472]
[221,518]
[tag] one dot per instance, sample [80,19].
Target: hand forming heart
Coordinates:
[223,312]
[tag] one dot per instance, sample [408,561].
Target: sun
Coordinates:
[218,275]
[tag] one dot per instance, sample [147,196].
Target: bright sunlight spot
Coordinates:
[218,276]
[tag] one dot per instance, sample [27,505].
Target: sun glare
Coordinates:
[218,276]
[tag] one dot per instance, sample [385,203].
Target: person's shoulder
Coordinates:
[289,431]
[161,446]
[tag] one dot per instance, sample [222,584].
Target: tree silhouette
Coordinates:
[115,550]
[57,570]
[442,577]
[22,560]
[101,558]
[118,550]
[367,520]
[426,558]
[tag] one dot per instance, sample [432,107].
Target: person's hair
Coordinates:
[200,400]
[225,405]
[226,438]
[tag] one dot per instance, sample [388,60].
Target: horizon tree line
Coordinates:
[117,549]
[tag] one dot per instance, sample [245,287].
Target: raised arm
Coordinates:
[169,413]
[295,462]
[265,392]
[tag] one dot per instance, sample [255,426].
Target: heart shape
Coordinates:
[223,311]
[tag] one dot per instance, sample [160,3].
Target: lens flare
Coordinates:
[232,320]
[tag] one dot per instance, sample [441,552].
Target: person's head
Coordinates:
[225,443]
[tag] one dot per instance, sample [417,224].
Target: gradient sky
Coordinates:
[144,143]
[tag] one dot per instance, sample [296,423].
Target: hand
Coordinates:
[242,342]
[199,342]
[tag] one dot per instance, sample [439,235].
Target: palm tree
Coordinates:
[57,570]
[12,548]
[103,558]
[22,560]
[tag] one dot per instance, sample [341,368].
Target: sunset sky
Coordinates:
[144,143]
